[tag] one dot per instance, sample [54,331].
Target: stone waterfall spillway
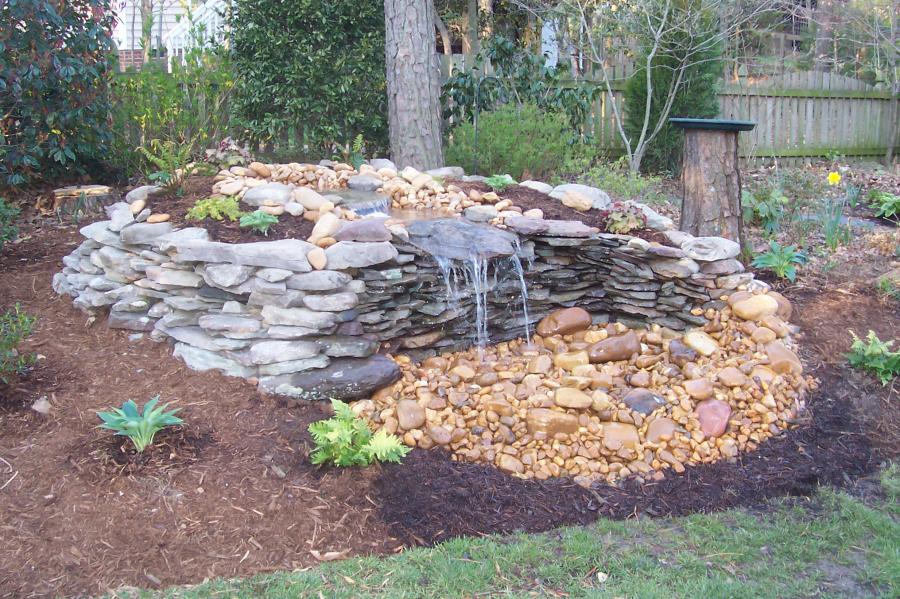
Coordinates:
[475,262]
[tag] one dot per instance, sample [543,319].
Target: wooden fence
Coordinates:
[801,114]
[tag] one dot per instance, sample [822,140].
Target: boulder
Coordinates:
[564,322]
[344,379]
[613,349]
[365,230]
[599,199]
[710,249]
[269,194]
[537,186]
[755,307]
[364,183]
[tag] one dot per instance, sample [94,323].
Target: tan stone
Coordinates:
[464,372]
[617,435]
[699,389]
[326,242]
[570,360]
[410,414]
[273,210]
[540,364]
[510,464]
[765,374]
[327,225]
[550,422]
[782,360]
[137,205]
[732,377]
[439,434]
[777,325]
[785,310]
[660,429]
[755,307]
[640,378]
[158,218]
[763,335]
[260,169]
[317,258]
[500,406]
[566,397]
[577,201]
[701,343]
[564,322]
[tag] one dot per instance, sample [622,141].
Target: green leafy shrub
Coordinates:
[15,325]
[616,179]
[345,440]
[189,106]
[500,182]
[54,104]
[216,208]
[520,76]
[8,216]
[781,260]
[258,221]
[521,141]
[312,70]
[764,207]
[888,288]
[171,161]
[139,425]
[875,356]
[621,218]
[886,205]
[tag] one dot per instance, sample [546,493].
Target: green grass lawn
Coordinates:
[832,546]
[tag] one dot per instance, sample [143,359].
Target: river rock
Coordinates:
[660,429]
[365,230]
[782,360]
[643,401]
[755,307]
[260,169]
[268,194]
[680,354]
[732,377]
[364,182]
[410,414]
[546,420]
[599,198]
[785,310]
[510,464]
[613,349]
[617,435]
[713,415]
[699,389]
[308,198]
[564,322]
[701,343]
[327,225]
[567,397]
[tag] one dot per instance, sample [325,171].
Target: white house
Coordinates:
[127,30]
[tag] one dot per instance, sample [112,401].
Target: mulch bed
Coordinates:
[233,493]
[198,188]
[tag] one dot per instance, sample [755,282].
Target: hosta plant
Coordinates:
[886,205]
[139,425]
[500,182]
[258,221]
[781,260]
[622,218]
[345,440]
[875,355]
[216,208]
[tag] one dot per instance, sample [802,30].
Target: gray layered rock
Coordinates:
[298,317]
[538,186]
[710,249]
[344,379]
[319,280]
[352,254]
[364,183]
[144,233]
[201,359]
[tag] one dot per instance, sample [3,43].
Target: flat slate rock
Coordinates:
[344,379]
[459,239]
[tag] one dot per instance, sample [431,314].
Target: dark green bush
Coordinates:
[54,104]
[520,141]
[313,67]
[695,98]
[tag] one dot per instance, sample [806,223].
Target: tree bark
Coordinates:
[712,185]
[413,84]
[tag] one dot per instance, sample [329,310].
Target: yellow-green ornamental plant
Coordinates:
[139,425]
[345,440]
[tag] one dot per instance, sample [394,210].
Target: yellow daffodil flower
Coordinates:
[834,178]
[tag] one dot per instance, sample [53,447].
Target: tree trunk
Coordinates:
[712,185]
[471,37]
[146,30]
[413,84]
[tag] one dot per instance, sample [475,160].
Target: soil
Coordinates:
[527,198]
[198,188]
[233,493]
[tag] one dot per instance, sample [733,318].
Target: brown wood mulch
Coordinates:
[198,188]
[233,493]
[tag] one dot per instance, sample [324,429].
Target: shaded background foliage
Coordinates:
[313,69]
[54,103]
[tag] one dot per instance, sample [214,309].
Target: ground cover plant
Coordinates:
[15,325]
[886,205]
[781,260]
[216,208]
[258,221]
[874,355]
[345,440]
